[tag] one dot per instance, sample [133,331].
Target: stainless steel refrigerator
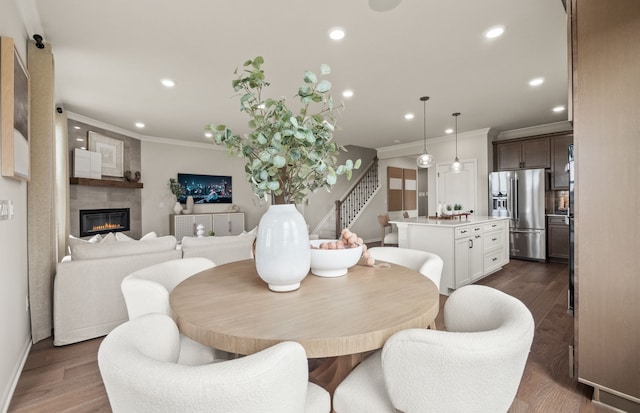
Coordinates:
[520,195]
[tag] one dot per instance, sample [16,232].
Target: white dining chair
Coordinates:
[138,362]
[426,263]
[474,366]
[147,291]
[389,237]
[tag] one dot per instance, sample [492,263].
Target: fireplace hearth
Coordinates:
[102,221]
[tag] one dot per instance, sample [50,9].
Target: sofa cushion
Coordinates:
[89,251]
[122,237]
[220,250]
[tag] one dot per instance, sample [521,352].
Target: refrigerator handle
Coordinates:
[516,207]
[513,198]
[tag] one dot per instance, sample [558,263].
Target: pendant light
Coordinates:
[456,166]
[425,160]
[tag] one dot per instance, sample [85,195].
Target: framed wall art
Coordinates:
[111,150]
[14,112]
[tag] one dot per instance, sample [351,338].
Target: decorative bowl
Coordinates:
[186,211]
[333,263]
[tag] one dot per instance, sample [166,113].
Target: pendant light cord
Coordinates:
[455,115]
[424,120]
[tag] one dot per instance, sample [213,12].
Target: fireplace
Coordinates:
[102,221]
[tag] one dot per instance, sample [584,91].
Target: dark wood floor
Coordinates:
[67,379]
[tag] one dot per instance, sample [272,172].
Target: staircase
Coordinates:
[349,207]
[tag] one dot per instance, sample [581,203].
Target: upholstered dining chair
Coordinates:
[138,365]
[474,366]
[426,263]
[389,236]
[147,291]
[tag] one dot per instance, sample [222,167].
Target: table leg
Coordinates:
[332,370]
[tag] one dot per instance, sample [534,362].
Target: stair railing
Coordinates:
[348,208]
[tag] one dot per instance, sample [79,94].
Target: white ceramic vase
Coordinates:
[177,208]
[283,255]
[190,203]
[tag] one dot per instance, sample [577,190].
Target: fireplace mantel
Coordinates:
[105,182]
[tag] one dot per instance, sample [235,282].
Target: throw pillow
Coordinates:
[150,235]
[122,237]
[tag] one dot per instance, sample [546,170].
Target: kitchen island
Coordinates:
[471,247]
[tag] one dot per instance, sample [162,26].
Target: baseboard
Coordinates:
[8,393]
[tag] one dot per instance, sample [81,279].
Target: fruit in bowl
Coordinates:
[332,258]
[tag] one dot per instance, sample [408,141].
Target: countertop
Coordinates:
[470,220]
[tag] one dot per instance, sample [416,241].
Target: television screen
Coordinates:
[205,189]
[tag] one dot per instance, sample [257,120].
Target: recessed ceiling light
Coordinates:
[76,127]
[168,83]
[80,139]
[448,131]
[494,32]
[559,109]
[347,93]
[336,33]
[208,135]
[536,82]
[139,125]
[397,141]
[409,116]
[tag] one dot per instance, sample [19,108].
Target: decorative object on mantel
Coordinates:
[200,231]
[177,190]
[426,160]
[129,178]
[112,153]
[288,157]
[456,167]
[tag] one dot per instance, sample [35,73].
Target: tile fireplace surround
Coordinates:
[95,197]
[101,197]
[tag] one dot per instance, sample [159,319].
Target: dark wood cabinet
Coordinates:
[557,239]
[522,154]
[559,160]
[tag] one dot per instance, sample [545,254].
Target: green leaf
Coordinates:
[325,69]
[341,170]
[273,185]
[279,161]
[357,165]
[331,178]
[310,77]
[324,86]
[349,164]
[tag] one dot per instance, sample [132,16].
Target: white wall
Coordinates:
[15,329]
[471,145]
[164,159]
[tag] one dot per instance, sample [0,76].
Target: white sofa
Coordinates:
[220,250]
[87,299]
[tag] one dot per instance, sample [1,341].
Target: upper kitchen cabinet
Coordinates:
[522,154]
[559,160]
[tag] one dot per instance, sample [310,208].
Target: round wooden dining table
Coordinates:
[335,319]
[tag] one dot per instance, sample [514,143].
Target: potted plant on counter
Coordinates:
[457,208]
[289,155]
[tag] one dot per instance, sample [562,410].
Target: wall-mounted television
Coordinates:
[206,189]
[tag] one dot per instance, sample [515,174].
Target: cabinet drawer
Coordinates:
[557,220]
[494,239]
[467,231]
[493,226]
[493,260]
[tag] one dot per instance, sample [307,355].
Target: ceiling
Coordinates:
[111,55]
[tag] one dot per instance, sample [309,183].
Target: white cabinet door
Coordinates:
[228,224]
[461,261]
[476,257]
[236,223]
[185,225]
